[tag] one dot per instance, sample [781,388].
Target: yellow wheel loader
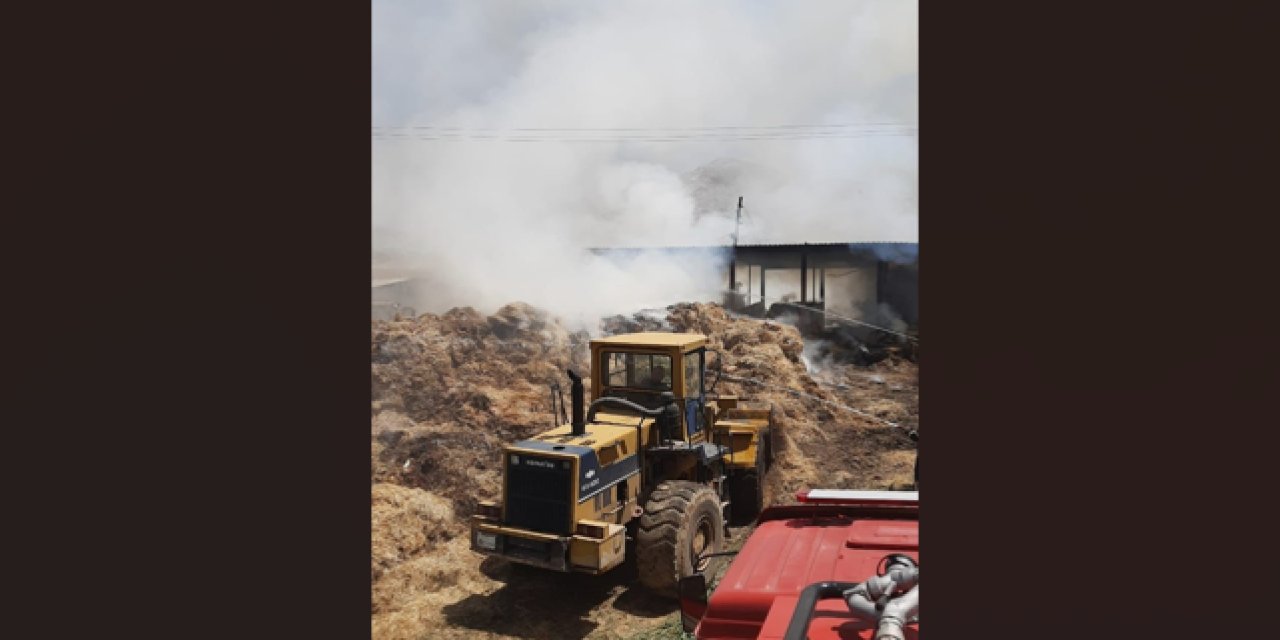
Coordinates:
[657,461]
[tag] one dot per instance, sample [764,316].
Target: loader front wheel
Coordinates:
[682,521]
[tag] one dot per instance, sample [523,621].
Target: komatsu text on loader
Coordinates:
[657,460]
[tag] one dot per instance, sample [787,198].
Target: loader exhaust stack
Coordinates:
[576,397]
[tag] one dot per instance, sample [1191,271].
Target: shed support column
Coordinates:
[804,278]
[762,286]
[822,279]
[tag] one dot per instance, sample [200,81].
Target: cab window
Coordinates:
[647,371]
[693,375]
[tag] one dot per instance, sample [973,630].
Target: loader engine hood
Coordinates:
[590,476]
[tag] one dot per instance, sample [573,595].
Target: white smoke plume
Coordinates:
[486,220]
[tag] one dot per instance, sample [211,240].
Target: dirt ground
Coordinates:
[449,390]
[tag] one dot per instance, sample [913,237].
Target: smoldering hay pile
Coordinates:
[449,390]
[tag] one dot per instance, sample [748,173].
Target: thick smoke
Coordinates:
[488,221]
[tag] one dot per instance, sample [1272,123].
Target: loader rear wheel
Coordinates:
[682,521]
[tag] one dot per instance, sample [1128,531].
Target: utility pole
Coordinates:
[737,222]
[733,259]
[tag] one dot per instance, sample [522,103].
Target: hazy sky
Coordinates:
[500,218]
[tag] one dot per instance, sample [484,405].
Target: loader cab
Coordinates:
[641,367]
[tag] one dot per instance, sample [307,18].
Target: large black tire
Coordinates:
[681,520]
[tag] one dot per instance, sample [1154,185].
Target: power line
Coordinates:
[653,133]
[687,138]
[833,315]
[841,275]
[728,133]
[613,129]
[847,319]
[802,394]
